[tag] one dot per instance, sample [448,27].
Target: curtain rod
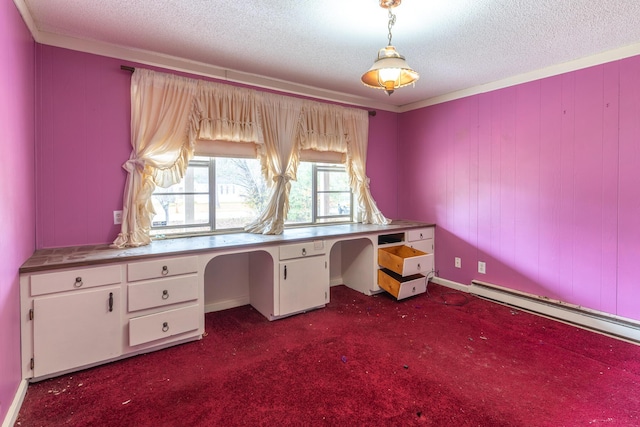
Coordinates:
[372,113]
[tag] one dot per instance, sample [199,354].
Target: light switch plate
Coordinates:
[482,267]
[117,217]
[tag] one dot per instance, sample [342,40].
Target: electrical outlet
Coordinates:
[482,267]
[117,217]
[458,262]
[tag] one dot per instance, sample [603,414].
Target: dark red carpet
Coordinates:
[361,361]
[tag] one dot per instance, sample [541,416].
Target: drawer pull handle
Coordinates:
[165,294]
[419,267]
[421,235]
[110,301]
[304,251]
[285,272]
[165,326]
[165,270]
[78,282]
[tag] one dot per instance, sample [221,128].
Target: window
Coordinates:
[225,194]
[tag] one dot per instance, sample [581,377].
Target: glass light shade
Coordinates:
[389,72]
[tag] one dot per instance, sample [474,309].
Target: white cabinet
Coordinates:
[162,301]
[406,260]
[80,317]
[74,317]
[304,277]
[75,329]
[421,239]
[81,307]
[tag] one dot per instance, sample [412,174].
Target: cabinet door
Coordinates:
[74,329]
[304,284]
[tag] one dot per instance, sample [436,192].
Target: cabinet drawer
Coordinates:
[301,250]
[399,286]
[163,325]
[404,260]
[425,245]
[61,281]
[163,292]
[420,234]
[161,268]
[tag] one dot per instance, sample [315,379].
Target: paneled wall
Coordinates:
[541,181]
[83,140]
[17,189]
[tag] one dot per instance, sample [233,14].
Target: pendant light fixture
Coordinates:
[390,70]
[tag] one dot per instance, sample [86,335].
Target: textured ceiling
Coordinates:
[326,45]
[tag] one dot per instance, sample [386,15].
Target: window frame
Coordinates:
[210,163]
[327,167]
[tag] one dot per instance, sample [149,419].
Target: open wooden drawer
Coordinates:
[405,261]
[403,269]
[401,286]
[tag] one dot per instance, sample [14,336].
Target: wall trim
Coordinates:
[198,68]
[598,321]
[175,63]
[12,414]
[450,284]
[553,70]
[224,305]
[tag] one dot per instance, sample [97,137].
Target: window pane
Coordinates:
[235,194]
[300,197]
[196,180]
[332,180]
[180,209]
[333,204]
[241,193]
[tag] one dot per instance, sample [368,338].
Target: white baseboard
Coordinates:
[336,281]
[16,404]
[223,305]
[593,320]
[598,321]
[450,284]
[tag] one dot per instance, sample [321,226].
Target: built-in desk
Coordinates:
[82,306]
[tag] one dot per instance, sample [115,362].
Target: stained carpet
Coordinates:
[437,359]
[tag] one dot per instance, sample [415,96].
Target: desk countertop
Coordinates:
[78,256]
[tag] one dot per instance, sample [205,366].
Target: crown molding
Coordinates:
[191,67]
[206,70]
[554,70]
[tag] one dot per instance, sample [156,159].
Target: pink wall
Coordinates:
[83,124]
[84,113]
[382,164]
[540,181]
[17,193]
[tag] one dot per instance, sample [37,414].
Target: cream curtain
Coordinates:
[170,113]
[322,128]
[356,124]
[228,113]
[279,159]
[163,130]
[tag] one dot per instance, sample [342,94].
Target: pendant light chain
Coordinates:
[392,21]
[390,70]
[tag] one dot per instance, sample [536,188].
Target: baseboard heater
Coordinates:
[605,323]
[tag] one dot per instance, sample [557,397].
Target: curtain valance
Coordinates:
[228,113]
[170,114]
